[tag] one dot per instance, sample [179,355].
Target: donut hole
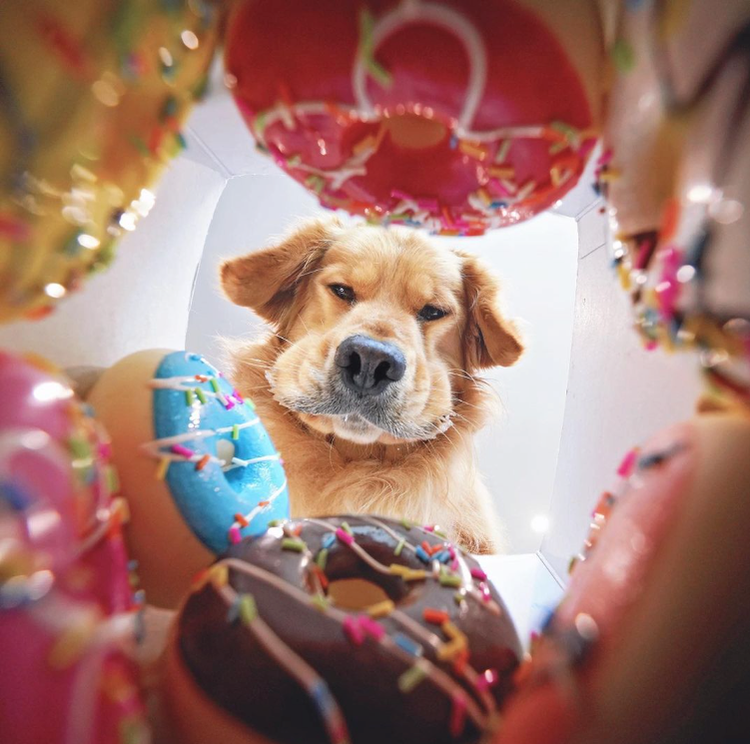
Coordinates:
[353,585]
[355,594]
[415,132]
[225,450]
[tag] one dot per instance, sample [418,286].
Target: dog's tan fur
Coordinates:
[423,469]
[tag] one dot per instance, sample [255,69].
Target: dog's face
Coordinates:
[380,329]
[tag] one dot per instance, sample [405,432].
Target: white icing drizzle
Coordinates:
[154,448]
[437,676]
[449,20]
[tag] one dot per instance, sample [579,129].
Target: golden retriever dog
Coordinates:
[367,384]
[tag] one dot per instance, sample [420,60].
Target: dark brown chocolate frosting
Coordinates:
[236,670]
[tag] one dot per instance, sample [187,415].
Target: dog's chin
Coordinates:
[354,428]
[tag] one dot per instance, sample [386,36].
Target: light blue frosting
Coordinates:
[208,499]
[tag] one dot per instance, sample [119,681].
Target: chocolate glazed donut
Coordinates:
[264,639]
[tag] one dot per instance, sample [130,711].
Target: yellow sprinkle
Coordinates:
[449,651]
[248,609]
[381,609]
[121,509]
[624,277]
[219,575]
[407,574]
[72,643]
[161,470]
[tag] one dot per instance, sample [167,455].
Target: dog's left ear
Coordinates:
[269,280]
[491,340]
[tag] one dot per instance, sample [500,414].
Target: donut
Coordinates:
[651,640]
[340,629]
[198,469]
[67,608]
[92,98]
[454,116]
[675,173]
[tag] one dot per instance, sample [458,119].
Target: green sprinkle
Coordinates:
[557,147]
[235,432]
[140,145]
[448,579]
[458,597]
[440,533]
[345,526]
[502,151]
[79,448]
[411,678]
[189,397]
[201,396]
[214,384]
[249,403]
[275,522]
[623,55]
[400,546]
[113,480]
[248,610]
[319,602]
[406,524]
[322,558]
[289,543]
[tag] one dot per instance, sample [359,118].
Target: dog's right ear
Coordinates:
[269,280]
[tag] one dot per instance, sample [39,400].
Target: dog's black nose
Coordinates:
[369,366]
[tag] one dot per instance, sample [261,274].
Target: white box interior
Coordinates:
[584,394]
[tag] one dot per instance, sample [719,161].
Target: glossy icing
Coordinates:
[209,487]
[430,664]
[422,116]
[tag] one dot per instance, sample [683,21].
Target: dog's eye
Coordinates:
[430,312]
[343,292]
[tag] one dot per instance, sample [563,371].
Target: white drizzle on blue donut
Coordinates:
[221,499]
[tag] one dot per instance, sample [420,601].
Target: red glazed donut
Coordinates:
[455,116]
[271,646]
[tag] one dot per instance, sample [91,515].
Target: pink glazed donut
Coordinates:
[67,610]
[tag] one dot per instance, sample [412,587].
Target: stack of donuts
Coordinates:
[456,117]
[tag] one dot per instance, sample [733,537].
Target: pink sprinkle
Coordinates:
[234,534]
[345,537]
[587,146]
[371,627]
[488,678]
[178,449]
[486,596]
[477,573]
[454,564]
[429,527]
[105,450]
[237,397]
[606,157]
[431,205]
[628,463]
[498,188]
[651,345]
[458,714]
[353,631]
[229,403]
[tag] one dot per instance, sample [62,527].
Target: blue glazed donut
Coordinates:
[225,476]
